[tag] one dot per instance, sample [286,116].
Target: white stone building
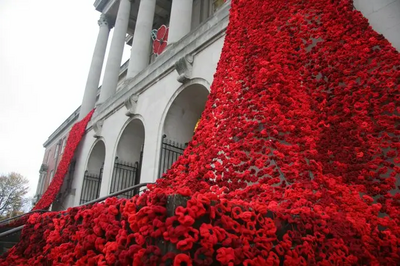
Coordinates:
[146,109]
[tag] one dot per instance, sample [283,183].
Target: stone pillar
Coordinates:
[180,20]
[92,83]
[111,73]
[141,44]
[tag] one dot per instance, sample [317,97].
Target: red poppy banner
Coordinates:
[295,160]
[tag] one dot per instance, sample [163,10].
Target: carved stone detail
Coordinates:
[131,104]
[184,67]
[103,21]
[97,127]
[43,168]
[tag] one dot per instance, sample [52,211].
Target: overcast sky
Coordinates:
[46,48]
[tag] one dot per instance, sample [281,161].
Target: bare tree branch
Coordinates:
[13,188]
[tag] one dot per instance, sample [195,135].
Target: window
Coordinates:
[40,184]
[56,151]
[51,175]
[64,142]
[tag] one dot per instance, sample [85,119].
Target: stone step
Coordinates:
[9,241]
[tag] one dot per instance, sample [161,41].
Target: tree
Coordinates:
[13,188]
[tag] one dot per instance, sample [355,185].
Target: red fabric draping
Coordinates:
[294,162]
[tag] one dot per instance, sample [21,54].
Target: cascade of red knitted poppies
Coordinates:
[74,137]
[294,161]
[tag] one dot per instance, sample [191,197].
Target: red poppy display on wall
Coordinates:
[294,161]
[160,40]
[74,138]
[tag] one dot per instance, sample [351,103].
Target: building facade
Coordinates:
[148,107]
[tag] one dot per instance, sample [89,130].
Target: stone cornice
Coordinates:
[211,30]
[104,6]
[65,125]
[100,4]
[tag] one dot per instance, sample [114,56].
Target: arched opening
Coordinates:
[180,121]
[93,174]
[128,159]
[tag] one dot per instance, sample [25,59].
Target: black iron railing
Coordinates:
[70,176]
[91,186]
[125,175]
[170,151]
[19,216]
[132,188]
[19,228]
[67,186]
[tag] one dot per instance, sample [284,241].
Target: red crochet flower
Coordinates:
[203,257]
[226,256]
[294,162]
[161,39]
[182,260]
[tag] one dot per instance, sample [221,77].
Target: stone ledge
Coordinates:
[100,4]
[66,124]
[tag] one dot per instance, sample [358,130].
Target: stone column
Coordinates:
[141,44]
[111,73]
[92,83]
[180,20]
